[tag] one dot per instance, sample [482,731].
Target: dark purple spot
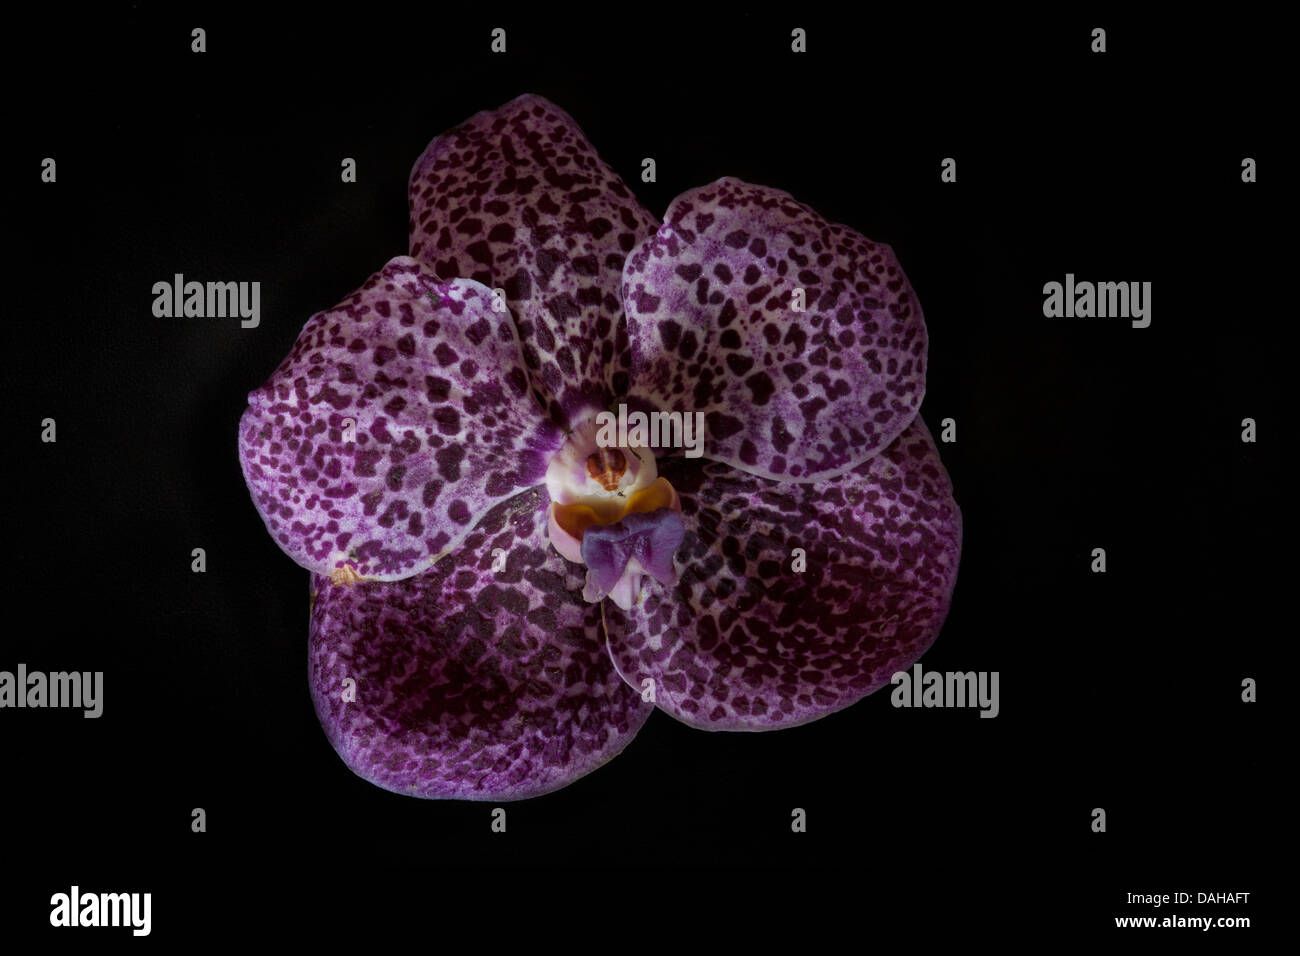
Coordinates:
[437,389]
[547,262]
[740,364]
[724,426]
[479,331]
[458,512]
[761,386]
[449,459]
[671,333]
[430,495]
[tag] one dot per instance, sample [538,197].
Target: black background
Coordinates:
[1119,690]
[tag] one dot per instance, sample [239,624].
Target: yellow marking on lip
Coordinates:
[574,520]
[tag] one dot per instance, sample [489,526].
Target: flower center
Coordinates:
[615,497]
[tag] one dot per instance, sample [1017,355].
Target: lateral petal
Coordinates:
[746,640]
[398,419]
[471,683]
[800,340]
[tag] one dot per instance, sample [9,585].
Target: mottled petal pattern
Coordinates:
[399,418]
[744,642]
[712,304]
[518,199]
[472,683]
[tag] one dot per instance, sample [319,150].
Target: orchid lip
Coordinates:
[596,487]
[619,554]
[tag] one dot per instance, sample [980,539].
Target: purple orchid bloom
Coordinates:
[500,595]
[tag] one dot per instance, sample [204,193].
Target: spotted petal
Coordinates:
[745,641]
[399,418]
[518,199]
[713,302]
[472,683]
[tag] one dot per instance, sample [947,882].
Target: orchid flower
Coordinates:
[499,598]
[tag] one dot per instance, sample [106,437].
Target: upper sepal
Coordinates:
[518,199]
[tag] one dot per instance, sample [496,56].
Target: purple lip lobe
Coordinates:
[649,539]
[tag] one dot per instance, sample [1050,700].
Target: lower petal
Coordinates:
[745,641]
[468,682]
